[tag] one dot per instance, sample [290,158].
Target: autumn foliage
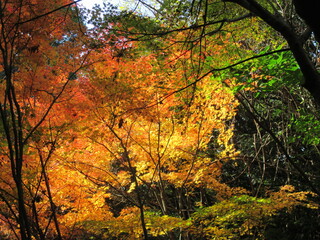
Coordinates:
[103,138]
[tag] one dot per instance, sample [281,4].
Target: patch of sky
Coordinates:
[141,7]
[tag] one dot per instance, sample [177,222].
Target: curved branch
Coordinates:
[278,23]
[48,13]
[211,71]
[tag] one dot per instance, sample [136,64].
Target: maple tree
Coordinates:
[39,60]
[107,137]
[146,141]
[234,43]
[143,129]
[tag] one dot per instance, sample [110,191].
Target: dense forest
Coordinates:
[161,119]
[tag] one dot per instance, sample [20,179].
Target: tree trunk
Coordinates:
[294,40]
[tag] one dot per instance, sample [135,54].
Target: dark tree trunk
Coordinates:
[295,41]
[309,12]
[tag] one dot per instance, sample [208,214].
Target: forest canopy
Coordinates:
[194,119]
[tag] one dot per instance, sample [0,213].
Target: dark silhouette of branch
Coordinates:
[192,27]
[48,13]
[211,71]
